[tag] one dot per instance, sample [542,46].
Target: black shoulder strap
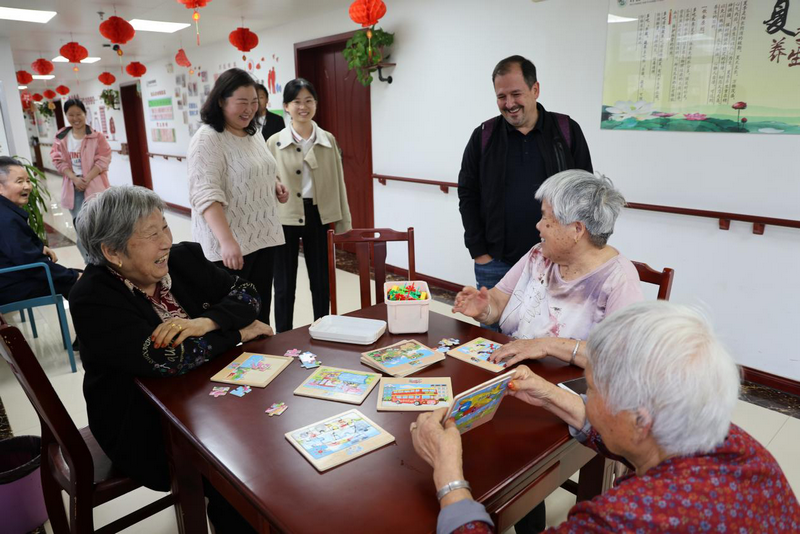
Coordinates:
[486,133]
[563,125]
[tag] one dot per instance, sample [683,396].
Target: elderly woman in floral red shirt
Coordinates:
[661,390]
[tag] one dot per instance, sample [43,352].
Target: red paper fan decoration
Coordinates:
[42,66]
[24,77]
[49,94]
[74,52]
[243,39]
[62,90]
[195,5]
[37,97]
[367,12]
[117,30]
[181,59]
[107,78]
[135,69]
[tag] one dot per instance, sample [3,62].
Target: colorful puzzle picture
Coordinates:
[402,358]
[477,353]
[478,405]
[249,369]
[414,394]
[338,439]
[343,385]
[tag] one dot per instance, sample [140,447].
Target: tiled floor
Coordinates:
[779,432]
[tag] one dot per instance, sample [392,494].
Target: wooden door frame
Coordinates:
[146,178]
[316,43]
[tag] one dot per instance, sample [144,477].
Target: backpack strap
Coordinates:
[487,128]
[563,125]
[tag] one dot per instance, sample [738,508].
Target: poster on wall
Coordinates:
[160,109]
[702,66]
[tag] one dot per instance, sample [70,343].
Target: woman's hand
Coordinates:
[80,183]
[231,254]
[174,331]
[254,330]
[529,387]
[471,302]
[47,251]
[282,192]
[518,350]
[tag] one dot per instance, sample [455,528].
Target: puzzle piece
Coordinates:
[277,408]
[219,391]
[308,357]
[312,365]
[294,353]
[241,391]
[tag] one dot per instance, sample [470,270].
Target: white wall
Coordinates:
[15,119]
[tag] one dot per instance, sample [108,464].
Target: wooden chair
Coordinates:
[663,279]
[369,243]
[72,460]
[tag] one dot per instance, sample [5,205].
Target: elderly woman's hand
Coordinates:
[529,387]
[254,330]
[438,445]
[518,350]
[174,331]
[471,302]
[50,253]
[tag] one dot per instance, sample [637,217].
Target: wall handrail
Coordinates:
[759,222]
[166,156]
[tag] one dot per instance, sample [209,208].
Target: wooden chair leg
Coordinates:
[53,502]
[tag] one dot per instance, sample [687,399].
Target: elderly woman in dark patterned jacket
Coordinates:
[147,308]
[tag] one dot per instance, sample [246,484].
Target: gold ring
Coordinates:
[179,327]
[172,325]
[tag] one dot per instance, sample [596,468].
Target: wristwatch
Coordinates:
[452,486]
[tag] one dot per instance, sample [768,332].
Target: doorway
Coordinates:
[59,113]
[343,110]
[136,132]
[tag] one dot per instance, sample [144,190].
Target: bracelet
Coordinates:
[488,314]
[574,352]
[452,486]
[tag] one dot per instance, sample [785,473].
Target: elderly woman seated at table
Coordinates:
[553,297]
[661,391]
[147,308]
[19,244]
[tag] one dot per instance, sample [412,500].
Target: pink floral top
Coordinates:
[542,304]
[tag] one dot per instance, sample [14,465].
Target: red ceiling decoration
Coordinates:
[181,59]
[117,30]
[243,39]
[74,52]
[37,97]
[62,90]
[49,94]
[24,77]
[107,78]
[195,5]
[135,69]
[367,12]
[42,66]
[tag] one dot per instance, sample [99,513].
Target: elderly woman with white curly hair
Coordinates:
[553,297]
[661,392]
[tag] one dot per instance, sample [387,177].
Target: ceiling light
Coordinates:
[90,59]
[26,15]
[157,26]
[43,77]
[62,59]
[616,18]
[21,87]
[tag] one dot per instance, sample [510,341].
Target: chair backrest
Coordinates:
[663,279]
[369,243]
[58,430]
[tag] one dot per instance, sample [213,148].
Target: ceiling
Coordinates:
[78,20]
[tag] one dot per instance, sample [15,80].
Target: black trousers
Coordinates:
[258,269]
[315,249]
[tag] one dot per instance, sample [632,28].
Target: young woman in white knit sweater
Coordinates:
[234,188]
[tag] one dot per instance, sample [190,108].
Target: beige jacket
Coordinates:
[330,194]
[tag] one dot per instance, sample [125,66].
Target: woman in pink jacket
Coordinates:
[82,156]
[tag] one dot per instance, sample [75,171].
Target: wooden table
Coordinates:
[512,463]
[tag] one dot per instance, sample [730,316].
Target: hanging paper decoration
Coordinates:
[117,30]
[42,66]
[62,90]
[107,78]
[37,97]
[181,59]
[74,53]
[136,69]
[25,96]
[49,94]
[243,39]
[367,12]
[195,5]
[24,77]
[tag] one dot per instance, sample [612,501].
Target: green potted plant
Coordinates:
[110,98]
[365,52]
[37,205]
[45,110]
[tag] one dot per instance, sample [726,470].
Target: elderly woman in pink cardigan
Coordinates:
[82,156]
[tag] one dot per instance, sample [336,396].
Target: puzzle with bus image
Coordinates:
[414,394]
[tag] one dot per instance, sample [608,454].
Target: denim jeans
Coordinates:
[488,275]
[76,209]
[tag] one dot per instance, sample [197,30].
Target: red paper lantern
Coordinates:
[37,97]
[62,90]
[107,78]
[243,39]
[74,52]
[135,69]
[181,59]
[49,94]
[367,12]
[24,77]
[42,66]
[117,30]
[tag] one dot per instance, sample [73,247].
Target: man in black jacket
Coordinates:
[270,122]
[506,160]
